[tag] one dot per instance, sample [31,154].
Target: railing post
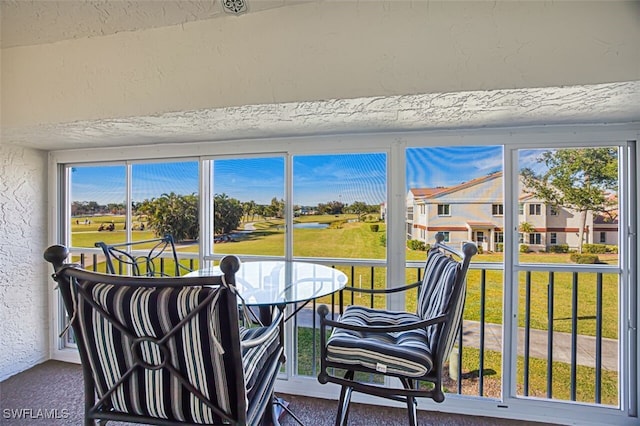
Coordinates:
[550,336]
[574,334]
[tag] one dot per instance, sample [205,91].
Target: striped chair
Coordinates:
[169,351]
[411,347]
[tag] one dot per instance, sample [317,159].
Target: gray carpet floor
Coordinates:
[54,389]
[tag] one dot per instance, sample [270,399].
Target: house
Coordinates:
[115,82]
[474,211]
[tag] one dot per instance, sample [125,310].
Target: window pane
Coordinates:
[98,198]
[465,200]
[249,209]
[172,191]
[337,205]
[572,195]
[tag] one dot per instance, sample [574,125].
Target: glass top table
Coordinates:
[268,283]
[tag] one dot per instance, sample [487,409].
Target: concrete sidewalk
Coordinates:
[538,342]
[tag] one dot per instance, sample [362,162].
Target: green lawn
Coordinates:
[492,376]
[355,240]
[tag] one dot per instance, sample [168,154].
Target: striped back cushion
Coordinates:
[437,287]
[193,349]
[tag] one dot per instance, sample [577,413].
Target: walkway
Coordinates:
[538,342]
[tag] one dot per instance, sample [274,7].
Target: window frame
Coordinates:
[444,209]
[395,144]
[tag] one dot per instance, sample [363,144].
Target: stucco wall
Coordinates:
[24,305]
[323,50]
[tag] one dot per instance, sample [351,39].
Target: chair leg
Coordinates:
[412,409]
[343,406]
[345,401]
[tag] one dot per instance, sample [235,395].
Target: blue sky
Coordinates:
[317,178]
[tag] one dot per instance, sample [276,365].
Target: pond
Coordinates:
[311,225]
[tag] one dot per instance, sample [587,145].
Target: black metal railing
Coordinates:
[539,287]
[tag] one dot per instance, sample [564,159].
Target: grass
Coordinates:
[492,376]
[355,240]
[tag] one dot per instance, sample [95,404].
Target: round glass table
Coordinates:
[269,283]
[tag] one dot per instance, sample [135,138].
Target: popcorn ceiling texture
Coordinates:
[24,307]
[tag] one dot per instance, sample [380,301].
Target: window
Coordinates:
[446,236]
[553,211]
[278,232]
[409,213]
[423,209]
[535,209]
[345,191]
[535,238]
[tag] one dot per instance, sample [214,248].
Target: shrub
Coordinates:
[559,248]
[584,258]
[500,247]
[524,248]
[383,240]
[594,248]
[416,245]
[612,249]
[337,224]
[374,227]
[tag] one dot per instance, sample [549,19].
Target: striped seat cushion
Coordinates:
[193,350]
[403,353]
[261,365]
[256,358]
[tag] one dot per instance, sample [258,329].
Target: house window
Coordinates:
[603,237]
[446,235]
[497,209]
[520,238]
[444,210]
[410,213]
[535,238]
[553,211]
[498,237]
[423,209]
[553,238]
[520,208]
[535,209]
[480,236]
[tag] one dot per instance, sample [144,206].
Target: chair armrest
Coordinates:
[324,322]
[265,336]
[382,290]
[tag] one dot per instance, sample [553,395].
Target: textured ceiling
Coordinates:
[28,22]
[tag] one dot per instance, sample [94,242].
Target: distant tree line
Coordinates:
[178,215]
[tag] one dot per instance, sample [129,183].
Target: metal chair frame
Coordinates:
[130,263]
[410,387]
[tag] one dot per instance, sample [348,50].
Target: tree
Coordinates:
[581,179]
[172,214]
[359,208]
[227,214]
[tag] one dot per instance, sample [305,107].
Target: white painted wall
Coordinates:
[24,304]
[323,50]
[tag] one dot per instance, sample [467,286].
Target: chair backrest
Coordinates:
[443,292]
[124,258]
[157,348]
